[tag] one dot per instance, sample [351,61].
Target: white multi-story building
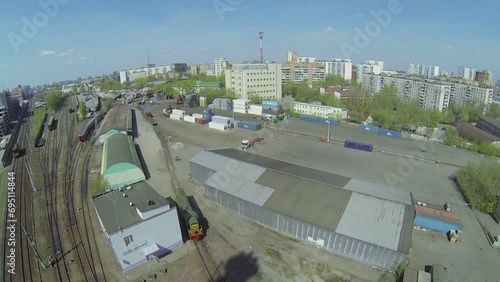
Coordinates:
[301,72]
[319,110]
[262,80]
[307,60]
[467,73]
[339,67]
[132,74]
[218,67]
[426,71]
[431,94]
[368,67]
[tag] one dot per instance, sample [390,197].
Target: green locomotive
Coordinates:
[190,216]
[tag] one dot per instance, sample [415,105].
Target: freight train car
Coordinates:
[16,151]
[88,128]
[51,123]
[191,218]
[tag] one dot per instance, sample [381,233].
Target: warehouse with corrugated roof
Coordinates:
[117,120]
[362,221]
[120,163]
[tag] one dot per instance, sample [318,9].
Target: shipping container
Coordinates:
[176,117]
[271,112]
[368,128]
[202,120]
[190,119]
[309,118]
[333,122]
[358,145]
[437,213]
[390,133]
[264,115]
[252,125]
[270,103]
[436,225]
[272,108]
[218,126]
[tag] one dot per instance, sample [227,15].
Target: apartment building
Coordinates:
[467,73]
[247,80]
[319,110]
[199,69]
[218,67]
[431,94]
[484,77]
[300,69]
[132,74]
[426,71]
[368,67]
[339,67]
[6,113]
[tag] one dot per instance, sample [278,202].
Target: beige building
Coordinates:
[319,110]
[262,80]
[199,69]
[431,94]
[300,69]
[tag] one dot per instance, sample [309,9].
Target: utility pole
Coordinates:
[329,128]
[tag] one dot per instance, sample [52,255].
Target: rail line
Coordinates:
[79,231]
[201,246]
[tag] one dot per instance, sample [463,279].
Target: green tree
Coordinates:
[255,99]
[480,185]
[107,104]
[82,110]
[98,185]
[494,111]
[53,98]
[140,82]
[331,80]
[110,84]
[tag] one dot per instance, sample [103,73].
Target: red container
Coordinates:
[271,112]
[437,213]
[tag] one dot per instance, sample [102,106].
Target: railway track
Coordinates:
[201,246]
[19,219]
[81,238]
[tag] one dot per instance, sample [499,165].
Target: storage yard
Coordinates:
[426,179]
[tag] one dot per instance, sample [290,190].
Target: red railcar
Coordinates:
[16,151]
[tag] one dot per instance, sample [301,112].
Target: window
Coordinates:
[128,240]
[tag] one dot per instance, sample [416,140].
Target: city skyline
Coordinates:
[74,39]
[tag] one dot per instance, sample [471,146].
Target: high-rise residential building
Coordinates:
[368,67]
[6,112]
[220,64]
[247,80]
[484,77]
[431,94]
[426,71]
[300,70]
[339,67]
[467,73]
[199,69]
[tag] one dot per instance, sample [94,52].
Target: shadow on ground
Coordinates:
[143,162]
[240,268]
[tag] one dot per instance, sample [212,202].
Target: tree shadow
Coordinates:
[240,268]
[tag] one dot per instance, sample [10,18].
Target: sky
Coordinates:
[53,40]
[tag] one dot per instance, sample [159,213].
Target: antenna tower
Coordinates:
[261,36]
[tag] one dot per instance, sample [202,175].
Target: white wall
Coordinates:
[319,110]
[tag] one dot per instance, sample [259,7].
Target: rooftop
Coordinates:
[119,148]
[212,84]
[373,213]
[115,210]
[494,121]
[473,133]
[116,118]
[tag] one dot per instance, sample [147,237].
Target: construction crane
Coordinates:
[261,36]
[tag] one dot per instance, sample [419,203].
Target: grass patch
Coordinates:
[334,278]
[38,120]
[98,185]
[400,273]
[275,255]
[309,269]
[289,272]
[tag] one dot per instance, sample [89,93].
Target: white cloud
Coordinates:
[450,46]
[359,15]
[63,54]
[204,49]
[46,53]
[329,29]
[69,63]
[229,9]
[70,50]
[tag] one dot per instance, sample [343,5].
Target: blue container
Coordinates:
[369,128]
[390,133]
[436,225]
[270,103]
[264,115]
[309,118]
[250,125]
[358,145]
[272,108]
[333,122]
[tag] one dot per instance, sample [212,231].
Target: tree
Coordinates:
[255,99]
[494,111]
[110,84]
[53,98]
[287,103]
[107,104]
[331,80]
[82,110]
[480,185]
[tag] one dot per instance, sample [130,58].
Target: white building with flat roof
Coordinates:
[247,80]
[132,74]
[467,73]
[339,67]
[319,110]
[368,67]
[426,71]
